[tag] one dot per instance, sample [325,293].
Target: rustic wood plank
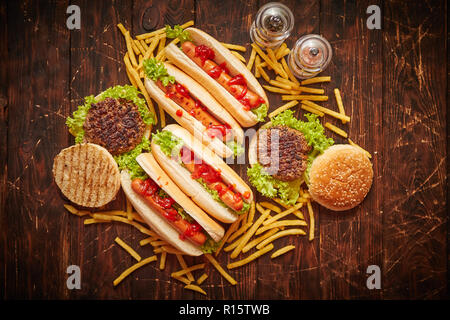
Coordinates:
[3,139]
[96,64]
[37,245]
[350,241]
[414,130]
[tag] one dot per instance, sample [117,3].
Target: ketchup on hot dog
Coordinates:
[149,190]
[203,56]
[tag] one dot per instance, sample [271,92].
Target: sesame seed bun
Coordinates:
[340,178]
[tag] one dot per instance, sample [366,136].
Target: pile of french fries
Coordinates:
[258,228]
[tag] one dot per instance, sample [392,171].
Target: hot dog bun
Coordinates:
[186,120]
[222,54]
[182,177]
[156,221]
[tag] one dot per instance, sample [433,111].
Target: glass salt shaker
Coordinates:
[310,55]
[273,24]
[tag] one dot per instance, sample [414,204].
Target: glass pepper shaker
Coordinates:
[273,24]
[310,55]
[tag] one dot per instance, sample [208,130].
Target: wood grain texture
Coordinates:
[414,114]
[38,100]
[393,84]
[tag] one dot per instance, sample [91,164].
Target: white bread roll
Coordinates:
[222,54]
[186,120]
[191,187]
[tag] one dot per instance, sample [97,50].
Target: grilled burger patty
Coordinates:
[114,124]
[283,152]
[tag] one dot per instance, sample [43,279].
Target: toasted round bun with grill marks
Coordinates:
[87,175]
[341,177]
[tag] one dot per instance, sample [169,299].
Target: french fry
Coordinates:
[230,230]
[144,45]
[188,270]
[283,214]
[162,262]
[263,73]
[289,82]
[151,34]
[161,45]
[250,258]
[251,59]
[280,224]
[182,279]
[249,234]
[139,46]
[267,59]
[312,110]
[239,232]
[280,84]
[92,221]
[280,51]
[360,148]
[326,110]
[239,56]
[311,90]
[130,49]
[129,210]
[337,130]
[220,269]
[188,24]
[202,278]
[284,107]
[270,206]
[297,212]
[257,62]
[337,94]
[251,213]
[171,250]
[304,97]
[311,221]
[122,29]
[184,266]
[281,251]
[128,249]
[146,241]
[289,72]
[234,47]
[138,226]
[159,243]
[279,90]
[134,267]
[196,288]
[279,235]
[316,80]
[255,241]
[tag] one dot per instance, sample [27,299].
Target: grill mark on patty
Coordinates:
[114,124]
[283,152]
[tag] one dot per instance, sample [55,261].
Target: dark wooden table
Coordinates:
[394,86]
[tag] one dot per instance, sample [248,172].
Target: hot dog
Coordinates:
[168,211]
[201,174]
[193,107]
[206,60]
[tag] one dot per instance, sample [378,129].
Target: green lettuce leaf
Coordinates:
[76,122]
[169,144]
[261,112]
[236,147]
[271,187]
[155,70]
[178,32]
[312,129]
[128,161]
[210,246]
